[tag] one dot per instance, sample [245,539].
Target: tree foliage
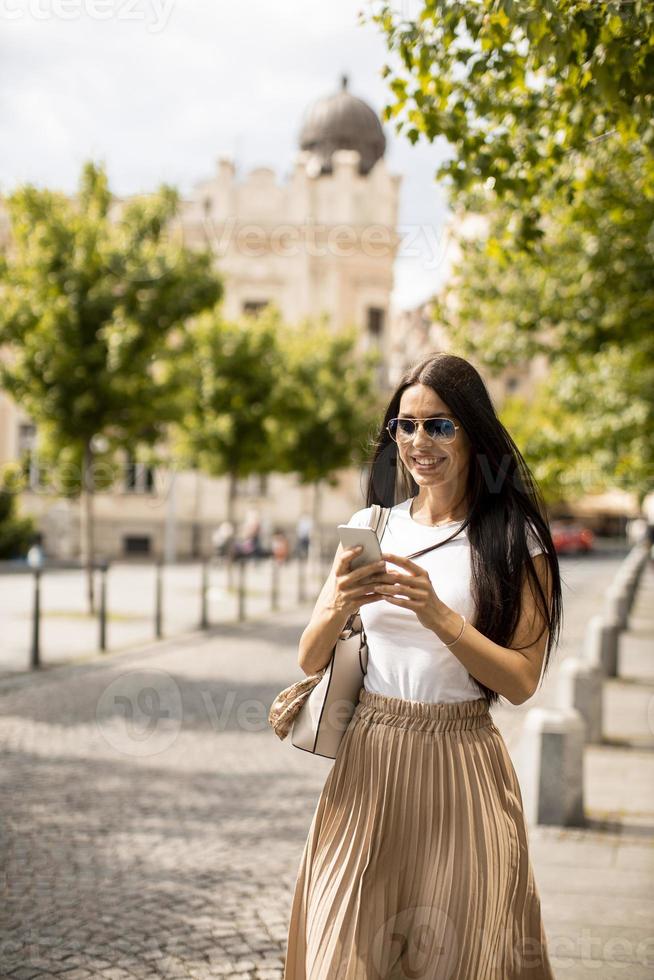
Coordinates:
[228,375]
[329,401]
[88,308]
[16,532]
[261,397]
[514,88]
[546,109]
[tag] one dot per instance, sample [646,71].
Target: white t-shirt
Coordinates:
[405,659]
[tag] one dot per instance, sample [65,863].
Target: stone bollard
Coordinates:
[626,580]
[601,645]
[616,604]
[579,686]
[550,767]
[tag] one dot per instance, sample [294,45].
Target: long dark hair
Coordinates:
[502,497]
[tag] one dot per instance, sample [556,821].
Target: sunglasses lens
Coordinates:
[402,429]
[441,429]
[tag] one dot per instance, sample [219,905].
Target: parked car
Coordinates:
[571,538]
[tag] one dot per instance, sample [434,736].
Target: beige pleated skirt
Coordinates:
[416,863]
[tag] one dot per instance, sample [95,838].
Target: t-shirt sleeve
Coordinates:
[533,544]
[361,518]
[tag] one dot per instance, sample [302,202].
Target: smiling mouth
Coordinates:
[427,460]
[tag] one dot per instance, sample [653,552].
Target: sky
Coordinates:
[158,89]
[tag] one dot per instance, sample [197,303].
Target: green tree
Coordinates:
[584,297]
[262,397]
[227,375]
[93,299]
[16,532]
[329,406]
[546,108]
[591,428]
[515,88]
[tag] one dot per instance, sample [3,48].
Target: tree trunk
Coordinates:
[170,527]
[197,550]
[231,516]
[315,550]
[231,498]
[87,531]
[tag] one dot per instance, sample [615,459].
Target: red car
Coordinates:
[571,538]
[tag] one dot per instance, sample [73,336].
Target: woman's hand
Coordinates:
[412,590]
[353,589]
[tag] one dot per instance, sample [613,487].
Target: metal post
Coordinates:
[241,589]
[204,589]
[157,599]
[103,606]
[274,584]
[36,621]
[302,567]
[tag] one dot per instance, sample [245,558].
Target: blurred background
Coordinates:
[225,238]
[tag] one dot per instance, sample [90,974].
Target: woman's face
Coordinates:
[421,402]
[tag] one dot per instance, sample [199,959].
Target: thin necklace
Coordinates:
[440,524]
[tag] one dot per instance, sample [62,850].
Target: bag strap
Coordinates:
[379,519]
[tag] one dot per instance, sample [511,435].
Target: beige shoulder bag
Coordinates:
[320,707]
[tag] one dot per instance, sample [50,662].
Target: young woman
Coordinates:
[417,863]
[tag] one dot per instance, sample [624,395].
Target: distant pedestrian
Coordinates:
[249,543]
[222,538]
[280,546]
[35,555]
[303,531]
[648,510]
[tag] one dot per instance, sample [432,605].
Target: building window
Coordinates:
[375,321]
[26,436]
[253,306]
[139,478]
[254,485]
[27,454]
[137,544]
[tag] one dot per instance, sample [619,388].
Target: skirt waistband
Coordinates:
[424,716]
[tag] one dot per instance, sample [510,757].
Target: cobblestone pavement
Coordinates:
[152,823]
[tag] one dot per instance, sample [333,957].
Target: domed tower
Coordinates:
[323,242]
[341,122]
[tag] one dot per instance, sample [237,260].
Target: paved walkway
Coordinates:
[153,823]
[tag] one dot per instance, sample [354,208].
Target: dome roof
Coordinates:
[341,122]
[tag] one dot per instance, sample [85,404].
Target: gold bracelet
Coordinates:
[463,626]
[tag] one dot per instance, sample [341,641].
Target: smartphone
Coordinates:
[365,536]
